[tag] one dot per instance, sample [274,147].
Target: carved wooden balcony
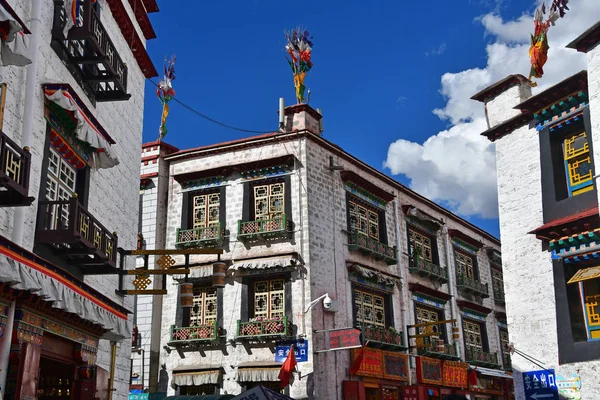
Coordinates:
[89,53]
[194,335]
[264,329]
[14,173]
[73,232]
[440,350]
[211,236]
[423,267]
[278,227]
[470,285]
[481,358]
[384,338]
[358,241]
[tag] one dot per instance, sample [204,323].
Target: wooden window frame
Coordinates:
[387,306]
[248,205]
[474,265]
[381,218]
[441,316]
[433,244]
[485,346]
[184,314]
[496,278]
[187,212]
[247,308]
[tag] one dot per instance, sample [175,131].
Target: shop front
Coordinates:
[436,379]
[492,385]
[52,325]
[382,375]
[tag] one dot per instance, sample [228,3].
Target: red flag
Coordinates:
[356,364]
[288,367]
[473,377]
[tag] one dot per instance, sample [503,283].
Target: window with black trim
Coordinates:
[498,284]
[567,166]
[425,245]
[204,310]
[371,308]
[202,218]
[475,337]
[267,209]
[268,299]
[466,265]
[505,347]
[424,314]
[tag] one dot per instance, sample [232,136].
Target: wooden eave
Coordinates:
[562,89]
[508,126]
[13,14]
[583,221]
[455,233]
[142,18]
[473,306]
[82,106]
[499,87]
[419,288]
[587,40]
[276,137]
[349,176]
[131,37]
[228,169]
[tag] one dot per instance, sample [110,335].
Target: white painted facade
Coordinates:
[113,192]
[320,239]
[527,264]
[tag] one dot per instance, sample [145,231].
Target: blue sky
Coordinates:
[376,75]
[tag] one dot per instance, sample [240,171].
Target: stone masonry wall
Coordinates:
[235,354]
[113,193]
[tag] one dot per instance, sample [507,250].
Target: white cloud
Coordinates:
[457,167]
[437,52]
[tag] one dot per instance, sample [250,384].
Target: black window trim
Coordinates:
[435,256]
[186,214]
[441,317]
[381,214]
[387,300]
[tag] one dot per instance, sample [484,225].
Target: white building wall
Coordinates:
[112,193]
[528,276]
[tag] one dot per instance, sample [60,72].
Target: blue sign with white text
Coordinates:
[540,385]
[300,352]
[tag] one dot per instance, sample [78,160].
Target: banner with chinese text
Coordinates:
[429,370]
[455,374]
[371,362]
[395,366]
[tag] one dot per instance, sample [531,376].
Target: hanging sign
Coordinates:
[300,351]
[455,374]
[371,362]
[344,338]
[429,370]
[540,385]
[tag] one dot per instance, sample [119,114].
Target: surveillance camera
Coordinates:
[327,302]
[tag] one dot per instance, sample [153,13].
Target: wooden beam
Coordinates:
[157,271]
[171,252]
[138,292]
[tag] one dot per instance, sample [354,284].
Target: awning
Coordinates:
[585,274]
[197,272]
[372,274]
[51,289]
[86,129]
[265,371]
[264,263]
[196,378]
[492,372]
[13,49]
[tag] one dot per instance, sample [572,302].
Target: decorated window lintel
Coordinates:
[365,195]
[429,300]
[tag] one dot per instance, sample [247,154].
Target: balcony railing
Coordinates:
[481,358]
[441,350]
[14,173]
[199,237]
[358,241]
[194,334]
[264,329]
[382,337]
[499,295]
[467,284]
[423,267]
[89,53]
[507,362]
[73,231]
[264,228]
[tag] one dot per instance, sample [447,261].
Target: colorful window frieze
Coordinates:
[365,195]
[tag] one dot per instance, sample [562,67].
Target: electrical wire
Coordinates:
[193,110]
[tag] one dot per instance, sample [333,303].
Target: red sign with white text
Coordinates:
[344,338]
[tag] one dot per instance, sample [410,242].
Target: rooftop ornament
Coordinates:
[165,93]
[299,48]
[538,52]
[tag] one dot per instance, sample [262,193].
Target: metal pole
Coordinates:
[113,360]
